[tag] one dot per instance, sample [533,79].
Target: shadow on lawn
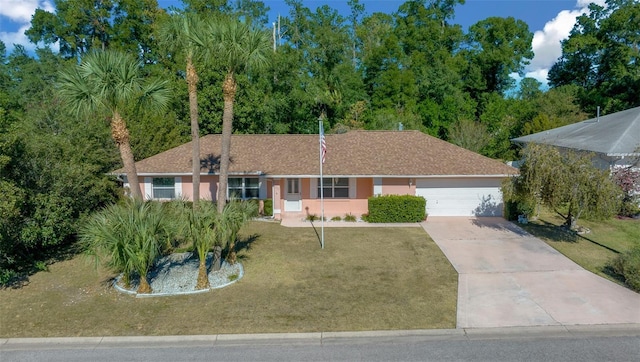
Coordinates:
[244,244]
[22,269]
[557,233]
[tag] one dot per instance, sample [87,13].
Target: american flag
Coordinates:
[323,144]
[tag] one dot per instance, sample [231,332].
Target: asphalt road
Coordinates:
[599,343]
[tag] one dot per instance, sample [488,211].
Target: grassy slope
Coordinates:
[365,279]
[593,250]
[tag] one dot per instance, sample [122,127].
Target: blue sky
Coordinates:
[549,20]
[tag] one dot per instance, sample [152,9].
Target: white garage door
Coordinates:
[461,197]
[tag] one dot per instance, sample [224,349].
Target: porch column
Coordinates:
[277,199]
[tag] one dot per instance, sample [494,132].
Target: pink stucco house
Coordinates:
[359,164]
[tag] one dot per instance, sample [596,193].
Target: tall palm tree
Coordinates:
[182,34]
[113,82]
[237,46]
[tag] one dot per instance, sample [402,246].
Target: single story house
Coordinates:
[359,164]
[614,139]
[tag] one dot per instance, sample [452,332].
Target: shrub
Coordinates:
[513,209]
[336,218]
[396,208]
[268,207]
[350,218]
[627,265]
[129,237]
[313,217]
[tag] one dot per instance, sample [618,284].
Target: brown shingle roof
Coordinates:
[366,153]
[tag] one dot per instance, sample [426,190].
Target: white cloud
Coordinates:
[17,37]
[540,75]
[19,13]
[546,43]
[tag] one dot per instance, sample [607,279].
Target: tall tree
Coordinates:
[79,26]
[238,47]
[497,47]
[429,41]
[601,56]
[182,34]
[113,83]
[566,182]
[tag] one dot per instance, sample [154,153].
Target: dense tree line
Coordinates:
[360,71]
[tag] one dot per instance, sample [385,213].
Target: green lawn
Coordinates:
[592,250]
[364,279]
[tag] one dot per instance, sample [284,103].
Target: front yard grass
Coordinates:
[364,279]
[593,250]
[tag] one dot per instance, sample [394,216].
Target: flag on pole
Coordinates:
[323,153]
[323,144]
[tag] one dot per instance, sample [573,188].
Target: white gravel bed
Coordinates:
[177,274]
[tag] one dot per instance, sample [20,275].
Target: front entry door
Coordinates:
[292,197]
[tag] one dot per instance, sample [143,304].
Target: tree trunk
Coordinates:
[229,93]
[217,258]
[120,135]
[144,287]
[231,255]
[192,81]
[203,277]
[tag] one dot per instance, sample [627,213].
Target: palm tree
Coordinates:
[235,214]
[129,238]
[182,34]
[202,223]
[112,82]
[237,46]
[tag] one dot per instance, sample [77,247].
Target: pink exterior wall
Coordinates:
[208,187]
[276,191]
[333,207]
[398,186]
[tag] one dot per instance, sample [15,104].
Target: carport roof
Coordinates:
[616,134]
[355,153]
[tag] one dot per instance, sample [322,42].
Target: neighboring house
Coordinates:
[614,139]
[359,164]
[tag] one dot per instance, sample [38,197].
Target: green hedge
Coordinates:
[396,208]
[268,207]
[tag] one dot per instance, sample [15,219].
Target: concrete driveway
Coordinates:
[509,278]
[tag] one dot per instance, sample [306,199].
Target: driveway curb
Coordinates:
[328,337]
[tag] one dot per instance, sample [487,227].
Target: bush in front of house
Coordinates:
[396,208]
[350,217]
[268,207]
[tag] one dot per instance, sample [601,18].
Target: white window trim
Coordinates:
[244,187]
[148,188]
[351,187]
[177,188]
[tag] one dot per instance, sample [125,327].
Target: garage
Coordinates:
[470,196]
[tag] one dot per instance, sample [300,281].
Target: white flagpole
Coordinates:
[321,189]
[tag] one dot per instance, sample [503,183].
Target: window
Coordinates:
[337,188]
[293,186]
[244,187]
[164,188]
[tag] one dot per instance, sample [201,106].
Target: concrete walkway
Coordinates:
[509,278]
[296,223]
